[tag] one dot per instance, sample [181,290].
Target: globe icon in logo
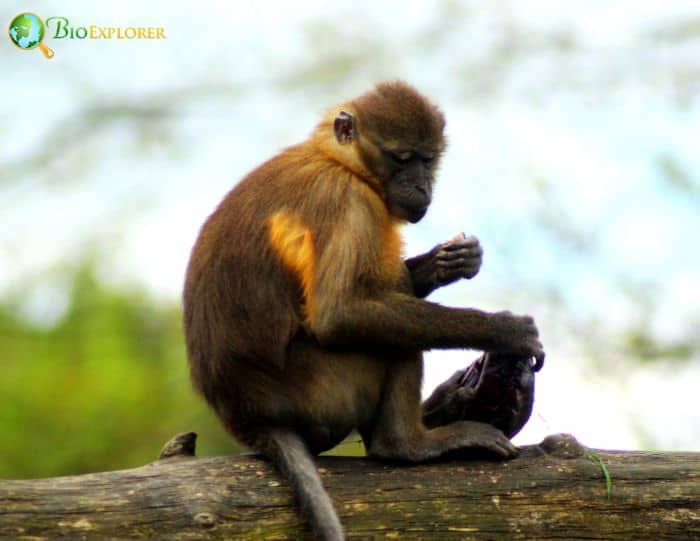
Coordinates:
[27,31]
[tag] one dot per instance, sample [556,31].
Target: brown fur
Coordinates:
[300,316]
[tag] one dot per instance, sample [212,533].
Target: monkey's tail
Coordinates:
[289,453]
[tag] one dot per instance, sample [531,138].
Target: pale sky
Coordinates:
[597,147]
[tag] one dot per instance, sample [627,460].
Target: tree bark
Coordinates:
[555,490]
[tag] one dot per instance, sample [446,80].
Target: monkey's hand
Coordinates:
[497,389]
[517,336]
[451,401]
[459,257]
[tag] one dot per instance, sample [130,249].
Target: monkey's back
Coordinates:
[242,305]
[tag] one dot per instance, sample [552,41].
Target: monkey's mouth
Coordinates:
[509,370]
[472,377]
[416,215]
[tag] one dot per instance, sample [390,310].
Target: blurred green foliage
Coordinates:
[104,388]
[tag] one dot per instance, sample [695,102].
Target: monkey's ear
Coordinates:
[344,128]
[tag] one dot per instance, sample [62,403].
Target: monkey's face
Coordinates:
[406,173]
[408,186]
[398,134]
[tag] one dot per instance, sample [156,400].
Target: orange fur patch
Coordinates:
[293,241]
[392,266]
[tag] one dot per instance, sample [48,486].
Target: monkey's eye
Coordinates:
[402,157]
[427,159]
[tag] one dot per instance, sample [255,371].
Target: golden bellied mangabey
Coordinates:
[302,320]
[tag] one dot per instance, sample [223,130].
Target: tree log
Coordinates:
[555,490]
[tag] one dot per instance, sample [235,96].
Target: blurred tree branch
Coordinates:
[143,113]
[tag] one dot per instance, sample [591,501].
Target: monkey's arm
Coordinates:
[459,257]
[399,321]
[350,307]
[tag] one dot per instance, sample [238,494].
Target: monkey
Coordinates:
[303,321]
[496,388]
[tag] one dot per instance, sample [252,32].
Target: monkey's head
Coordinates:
[397,136]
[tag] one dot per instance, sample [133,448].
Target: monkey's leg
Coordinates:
[496,389]
[399,432]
